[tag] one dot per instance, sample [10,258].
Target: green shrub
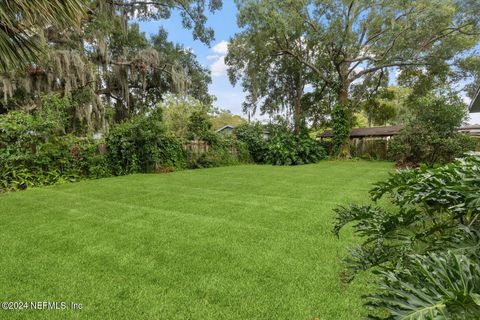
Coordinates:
[252,135]
[425,246]
[199,126]
[286,148]
[282,148]
[432,137]
[142,145]
[92,161]
[434,286]
[222,151]
[35,151]
[32,155]
[57,112]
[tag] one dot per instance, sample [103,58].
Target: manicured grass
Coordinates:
[245,242]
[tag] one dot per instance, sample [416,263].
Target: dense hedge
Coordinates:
[252,135]
[142,145]
[431,136]
[282,147]
[221,151]
[35,150]
[287,148]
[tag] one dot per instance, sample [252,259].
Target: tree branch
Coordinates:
[388,65]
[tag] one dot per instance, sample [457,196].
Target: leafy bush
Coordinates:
[93,161]
[57,112]
[142,145]
[287,148]
[34,149]
[432,137]
[223,151]
[423,248]
[199,125]
[253,137]
[282,148]
[57,160]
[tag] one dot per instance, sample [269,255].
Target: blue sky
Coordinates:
[225,26]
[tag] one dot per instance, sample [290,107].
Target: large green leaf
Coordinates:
[435,286]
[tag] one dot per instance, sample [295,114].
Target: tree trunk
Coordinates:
[297,115]
[344,152]
[297,103]
[343,94]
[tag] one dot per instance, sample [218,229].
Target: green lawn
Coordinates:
[244,242]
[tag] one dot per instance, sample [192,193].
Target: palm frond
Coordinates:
[21,23]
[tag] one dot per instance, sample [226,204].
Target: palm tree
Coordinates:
[21,22]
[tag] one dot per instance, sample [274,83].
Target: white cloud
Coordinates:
[221,47]
[213,57]
[219,68]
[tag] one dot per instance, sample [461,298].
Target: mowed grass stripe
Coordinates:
[246,242]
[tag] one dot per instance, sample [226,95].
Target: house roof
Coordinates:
[368,132]
[473,127]
[473,130]
[475,104]
[225,127]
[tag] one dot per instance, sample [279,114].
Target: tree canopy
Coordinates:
[342,49]
[104,63]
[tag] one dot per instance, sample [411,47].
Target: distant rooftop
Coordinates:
[226,127]
[475,105]
[473,130]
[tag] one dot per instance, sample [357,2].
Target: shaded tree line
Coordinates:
[307,57]
[99,58]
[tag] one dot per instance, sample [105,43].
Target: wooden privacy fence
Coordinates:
[372,143]
[193,147]
[369,148]
[196,147]
[369,143]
